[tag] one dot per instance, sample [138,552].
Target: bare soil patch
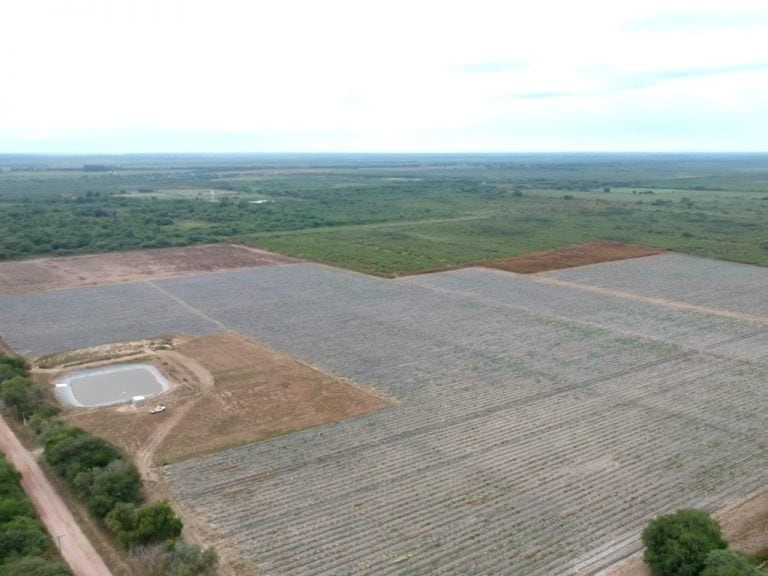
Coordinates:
[99,269]
[570,256]
[226,391]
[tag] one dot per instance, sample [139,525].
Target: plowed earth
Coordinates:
[99,269]
[570,256]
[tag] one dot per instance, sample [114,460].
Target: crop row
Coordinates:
[530,438]
[583,468]
[48,322]
[700,281]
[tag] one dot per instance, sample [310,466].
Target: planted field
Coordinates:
[48,322]
[699,281]
[540,425]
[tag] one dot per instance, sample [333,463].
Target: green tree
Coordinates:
[21,395]
[157,522]
[35,566]
[12,507]
[728,563]
[22,536]
[72,455]
[119,481]
[150,524]
[678,544]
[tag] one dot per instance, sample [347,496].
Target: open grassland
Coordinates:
[541,422]
[387,214]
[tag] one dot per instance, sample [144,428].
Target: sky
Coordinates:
[122,76]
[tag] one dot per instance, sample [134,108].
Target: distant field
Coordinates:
[387,214]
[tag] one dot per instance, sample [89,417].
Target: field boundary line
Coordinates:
[188,306]
[675,304]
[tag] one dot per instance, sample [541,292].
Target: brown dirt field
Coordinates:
[99,269]
[570,256]
[258,393]
[744,526]
[226,391]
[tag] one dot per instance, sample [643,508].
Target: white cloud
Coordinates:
[297,74]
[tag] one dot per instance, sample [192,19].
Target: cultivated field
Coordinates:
[100,269]
[570,256]
[541,422]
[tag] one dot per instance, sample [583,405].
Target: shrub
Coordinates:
[118,482]
[678,544]
[22,536]
[728,563]
[73,453]
[177,559]
[21,395]
[35,566]
[151,524]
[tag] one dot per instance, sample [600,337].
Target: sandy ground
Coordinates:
[75,547]
[99,269]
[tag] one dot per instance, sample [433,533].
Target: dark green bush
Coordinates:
[35,566]
[151,524]
[728,563]
[22,536]
[678,544]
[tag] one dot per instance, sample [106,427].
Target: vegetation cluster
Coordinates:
[386,214]
[99,473]
[25,548]
[689,543]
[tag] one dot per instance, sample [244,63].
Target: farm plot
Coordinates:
[539,426]
[44,323]
[698,281]
[530,439]
[738,338]
[99,269]
[227,391]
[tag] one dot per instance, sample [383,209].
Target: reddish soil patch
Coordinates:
[226,391]
[99,269]
[569,256]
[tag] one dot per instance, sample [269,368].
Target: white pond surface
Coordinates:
[110,385]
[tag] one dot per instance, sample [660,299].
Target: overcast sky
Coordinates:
[396,76]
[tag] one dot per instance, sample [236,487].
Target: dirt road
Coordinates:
[75,547]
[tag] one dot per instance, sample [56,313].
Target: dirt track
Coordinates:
[75,547]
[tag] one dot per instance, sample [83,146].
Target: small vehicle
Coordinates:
[157,409]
